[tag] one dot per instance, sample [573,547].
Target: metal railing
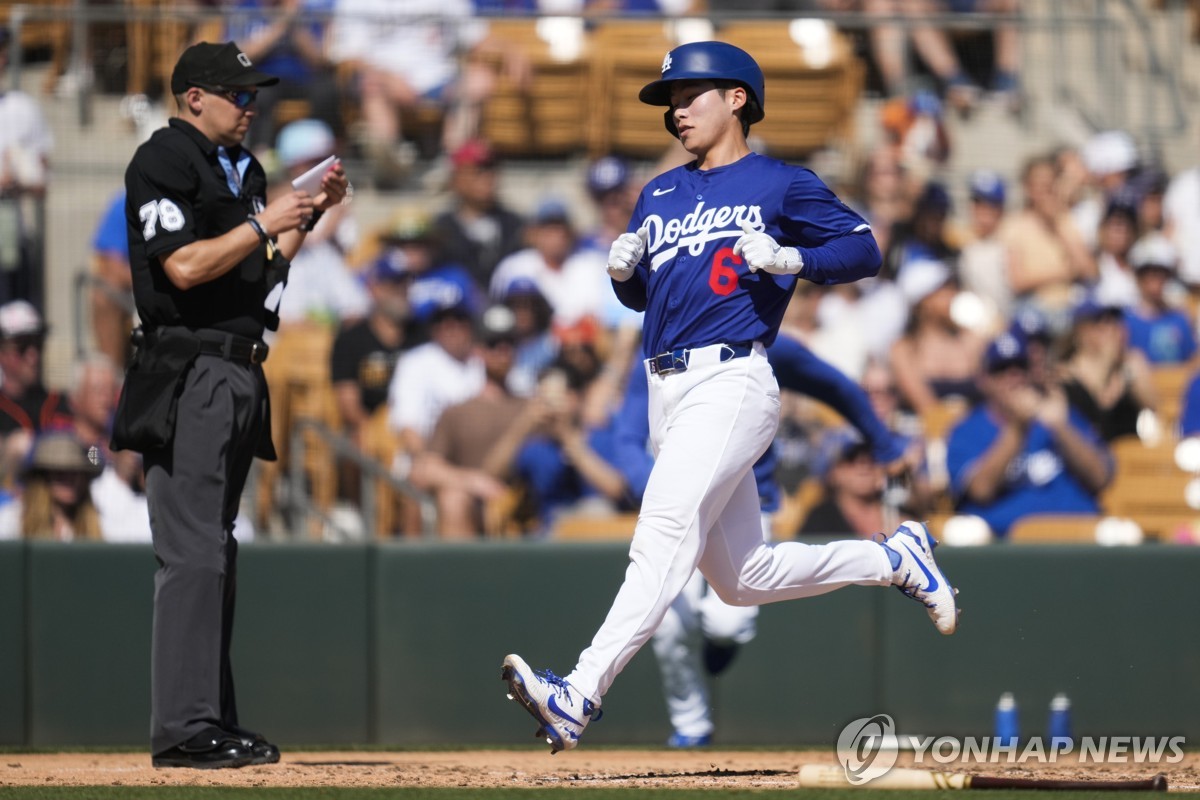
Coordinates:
[299,506]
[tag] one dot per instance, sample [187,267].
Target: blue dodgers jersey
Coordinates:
[1036,481]
[697,292]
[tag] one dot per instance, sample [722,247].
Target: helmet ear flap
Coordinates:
[669,122]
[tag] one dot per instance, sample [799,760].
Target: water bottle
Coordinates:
[1007,728]
[1060,721]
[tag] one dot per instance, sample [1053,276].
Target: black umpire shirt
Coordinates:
[177,192]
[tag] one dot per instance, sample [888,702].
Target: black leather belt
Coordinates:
[677,360]
[234,348]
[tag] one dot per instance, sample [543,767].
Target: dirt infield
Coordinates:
[707,769]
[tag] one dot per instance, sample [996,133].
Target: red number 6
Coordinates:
[723,278]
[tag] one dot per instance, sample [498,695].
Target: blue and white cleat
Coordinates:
[919,576]
[560,710]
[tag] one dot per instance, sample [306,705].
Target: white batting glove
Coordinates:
[626,252]
[760,251]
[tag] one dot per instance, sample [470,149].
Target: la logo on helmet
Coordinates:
[244,60]
[666,63]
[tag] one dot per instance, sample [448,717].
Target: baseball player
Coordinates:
[712,254]
[701,633]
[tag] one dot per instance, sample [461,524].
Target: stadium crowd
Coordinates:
[1013,340]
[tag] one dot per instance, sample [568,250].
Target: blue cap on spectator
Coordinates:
[1031,324]
[1091,308]
[304,140]
[392,265]
[987,186]
[1006,350]
[934,198]
[552,211]
[520,286]
[606,174]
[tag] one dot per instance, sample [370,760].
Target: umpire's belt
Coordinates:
[680,359]
[232,347]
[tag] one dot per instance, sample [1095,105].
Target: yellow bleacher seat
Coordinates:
[591,527]
[1148,487]
[1054,529]
[1170,382]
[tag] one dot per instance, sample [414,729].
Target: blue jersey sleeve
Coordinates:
[800,369]
[833,239]
[631,434]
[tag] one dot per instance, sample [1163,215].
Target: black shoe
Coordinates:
[210,749]
[718,657]
[264,752]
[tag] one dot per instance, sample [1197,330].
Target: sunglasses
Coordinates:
[24,344]
[242,98]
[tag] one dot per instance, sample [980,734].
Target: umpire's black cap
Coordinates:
[216,65]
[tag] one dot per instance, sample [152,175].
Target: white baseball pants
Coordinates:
[708,425]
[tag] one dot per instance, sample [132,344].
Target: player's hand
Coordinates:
[286,213]
[626,252]
[760,251]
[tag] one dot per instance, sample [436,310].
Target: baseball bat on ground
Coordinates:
[829,777]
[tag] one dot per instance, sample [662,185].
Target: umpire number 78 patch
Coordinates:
[158,212]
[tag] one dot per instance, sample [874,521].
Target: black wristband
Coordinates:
[263,238]
[312,221]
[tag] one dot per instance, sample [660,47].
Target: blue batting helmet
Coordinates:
[708,61]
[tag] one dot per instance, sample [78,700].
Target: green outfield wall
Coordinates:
[401,644]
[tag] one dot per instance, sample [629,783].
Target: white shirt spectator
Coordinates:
[573,291]
[25,140]
[321,288]
[427,380]
[417,39]
[1181,209]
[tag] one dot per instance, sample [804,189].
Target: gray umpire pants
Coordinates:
[193,487]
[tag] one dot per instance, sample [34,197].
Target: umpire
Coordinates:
[205,249]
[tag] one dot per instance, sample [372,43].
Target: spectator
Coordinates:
[287,39]
[1181,209]
[1118,231]
[1111,158]
[1104,380]
[1047,254]
[1021,452]
[1159,331]
[421,52]
[884,197]
[25,144]
[321,289]
[562,465]
[365,353]
[613,192]
[432,377]
[925,236]
[853,491]
[564,275]
[112,290]
[93,399]
[453,467]
[937,52]
[54,502]
[936,357]
[536,344]
[26,407]
[477,230]
[983,263]
[412,245]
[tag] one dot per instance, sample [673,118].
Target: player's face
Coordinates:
[702,114]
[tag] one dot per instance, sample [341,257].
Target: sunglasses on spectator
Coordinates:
[241,98]
[1005,366]
[24,344]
